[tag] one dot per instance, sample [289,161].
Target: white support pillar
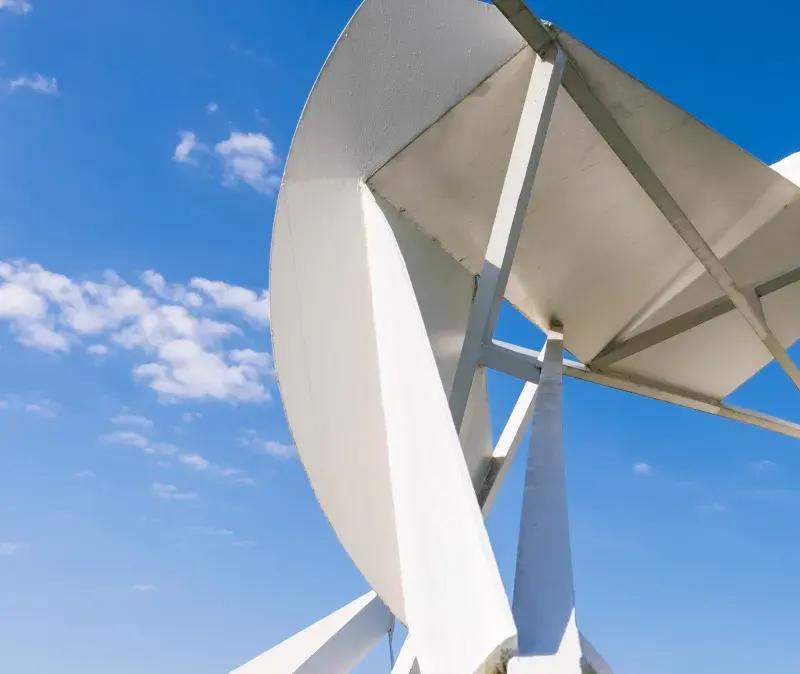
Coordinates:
[544,598]
[514,199]
[333,645]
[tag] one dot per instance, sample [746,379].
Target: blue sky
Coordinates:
[153,517]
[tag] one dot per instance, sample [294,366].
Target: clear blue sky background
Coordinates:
[152,516]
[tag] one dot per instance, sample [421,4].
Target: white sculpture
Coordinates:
[452,155]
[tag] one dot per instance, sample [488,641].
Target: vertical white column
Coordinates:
[514,199]
[544,600]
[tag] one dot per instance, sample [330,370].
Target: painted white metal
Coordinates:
[326,353]
[407,660]
[745,302]
[383,220]
[514,199]
[617,351]
[544,596]
[594,249]
[333,645]
[595,660]
[645,388]
[453,597]
[507,446]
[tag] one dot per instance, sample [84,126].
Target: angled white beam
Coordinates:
[615,352]
[514,199]
[544,596]
[645,388]
[333,645]
[596,112]
[593,658]
[507,446]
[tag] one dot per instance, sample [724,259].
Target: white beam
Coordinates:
[333,645]
[593,658]
[544,596]
[617,351]
[645,388]
[514,199]
[507,446]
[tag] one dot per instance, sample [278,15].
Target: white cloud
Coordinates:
[85,474]
[7,549]
[763,466]
[189,417]
[644,469]
[250,158]
[186,370]
[210,531]
[253,441]
[169,492]
[143,588]
[17,301]
[199,463]
[187,147]
[37,83]
[713,508]
[243,544]
[41,407]
[130,438]
[225,296]
[127,419]
[185,352]
[16,6]
[194,461]
[212,107]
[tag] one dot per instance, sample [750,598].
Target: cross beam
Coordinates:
[522,363]
[615,352]
[514,199]
[596,112]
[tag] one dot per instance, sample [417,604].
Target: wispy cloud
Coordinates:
[250,158]
[713,508]
[127,419]
[16,6]
[40,407]
[85,474]
[203,465]
[253,306]
[255,442]
[7,548]
[130,438]
[37,83]
[169,492]
[189,417]
[186,350]
[764,466]
[644,469]
[142,588]
[210,531]
[97,350]
[224,534]
[212,107]
[187,147]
